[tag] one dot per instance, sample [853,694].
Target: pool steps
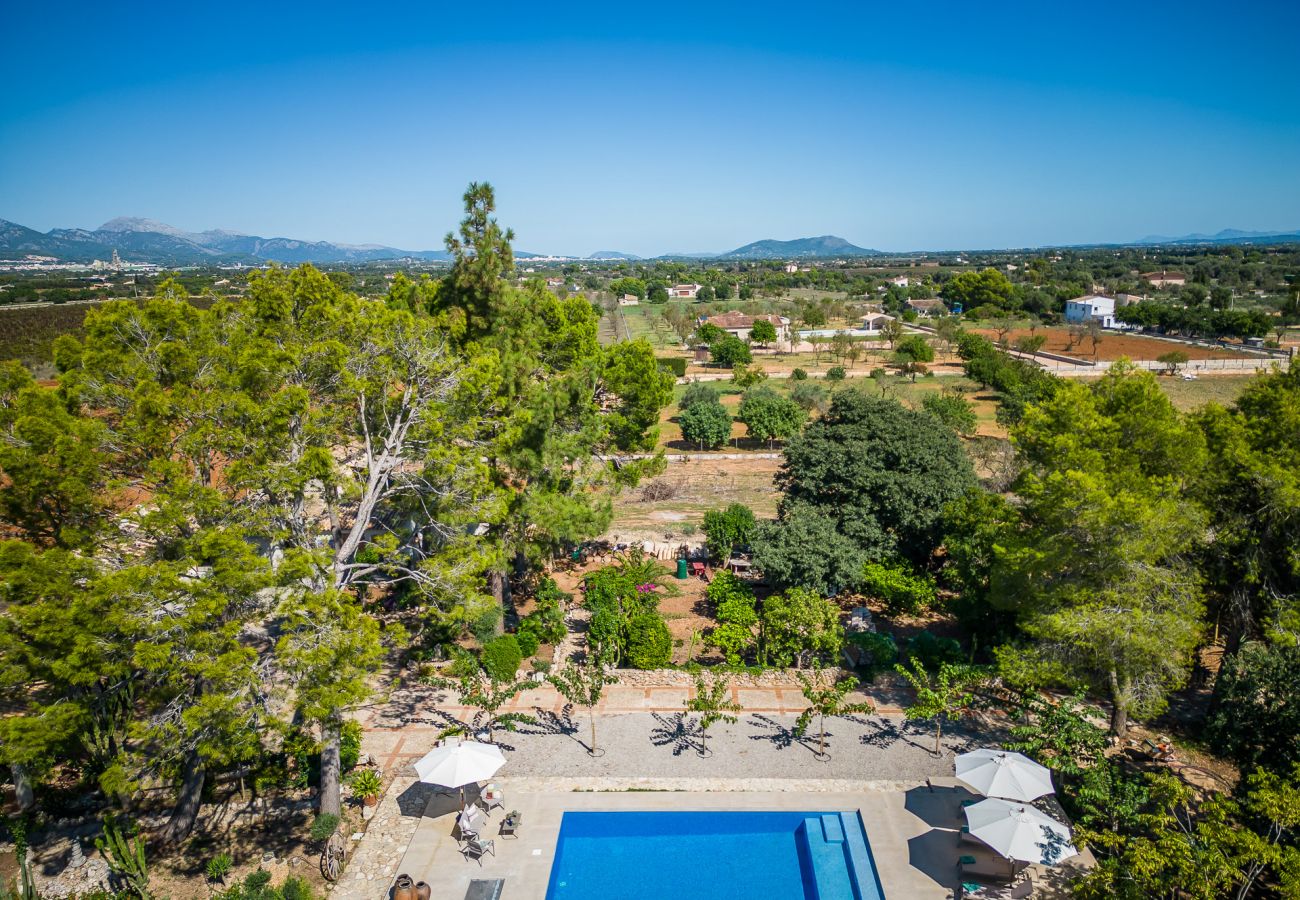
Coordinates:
[836,849]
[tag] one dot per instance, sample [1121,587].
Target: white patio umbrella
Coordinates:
[998,773]
[1020,832]
[457,765]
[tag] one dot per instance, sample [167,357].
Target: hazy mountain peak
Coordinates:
[150,226]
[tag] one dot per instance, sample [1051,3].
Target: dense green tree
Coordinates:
[330,647]
[912,353]
[1255,719]
[881,473]
[632,374]
[728,350]
[975,289]
[954,410]
[55,467]
[727,529]
[797,627]
[1100,565]
[1254,490]
[770,415]
[763,332]
[708,425]
[805,549]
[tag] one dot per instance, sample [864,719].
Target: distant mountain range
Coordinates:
[147,241]
[825,247]
[1227,236]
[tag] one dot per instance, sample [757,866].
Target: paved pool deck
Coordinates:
[914,857]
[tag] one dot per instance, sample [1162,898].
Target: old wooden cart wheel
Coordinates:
[331,858]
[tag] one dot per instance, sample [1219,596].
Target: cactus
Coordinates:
[123,850]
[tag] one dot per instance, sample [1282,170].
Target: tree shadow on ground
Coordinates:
[550,722]
[411,706]
[675,731]
[781,736]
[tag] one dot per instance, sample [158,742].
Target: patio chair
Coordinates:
[475,848]
[492,797]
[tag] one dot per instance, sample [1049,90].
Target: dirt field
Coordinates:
[701,485]
[1113,345]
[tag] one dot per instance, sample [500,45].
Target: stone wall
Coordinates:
[771,678]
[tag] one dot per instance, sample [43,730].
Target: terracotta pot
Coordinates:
[369,801]
[404,889]
[423,891]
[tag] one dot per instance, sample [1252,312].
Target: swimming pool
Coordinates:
[713,856]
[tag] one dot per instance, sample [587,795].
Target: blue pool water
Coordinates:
[712,856]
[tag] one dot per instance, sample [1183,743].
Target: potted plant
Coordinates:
[367,785]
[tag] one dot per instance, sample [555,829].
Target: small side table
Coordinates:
[511,823]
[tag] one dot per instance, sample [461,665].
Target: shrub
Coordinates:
[649,645]
[350,745]
[546,622]
[501,657]
[367,783]
[606,636]
[219,867]
[734,640]
[698,392]
[528,643]
[809,395]
[880,648]
[952,409]
[798,375]
[674,364]
[835,373]
[933,651]
[898,588]
[295,888]
[323,826]
[485,625]
[727,529]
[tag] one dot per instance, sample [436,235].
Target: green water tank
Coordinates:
[681,568]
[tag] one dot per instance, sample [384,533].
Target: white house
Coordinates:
[1091,308]
[900,280]
[927,309]
[684,291]
[875,321]
[791,268]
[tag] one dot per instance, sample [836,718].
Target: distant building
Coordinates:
[740,324]
[928,309]
[684,291]
[1164,279]
[875,321]
[1129,299]
[791,268]
[1091,308]
[900,280]
[629,300]
[554,282]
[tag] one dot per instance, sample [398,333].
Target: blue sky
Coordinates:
[657,127]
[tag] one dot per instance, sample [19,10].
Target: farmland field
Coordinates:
[1113,345]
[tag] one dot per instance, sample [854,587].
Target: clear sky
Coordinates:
[657,127]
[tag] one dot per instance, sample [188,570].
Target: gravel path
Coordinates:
[665,745]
